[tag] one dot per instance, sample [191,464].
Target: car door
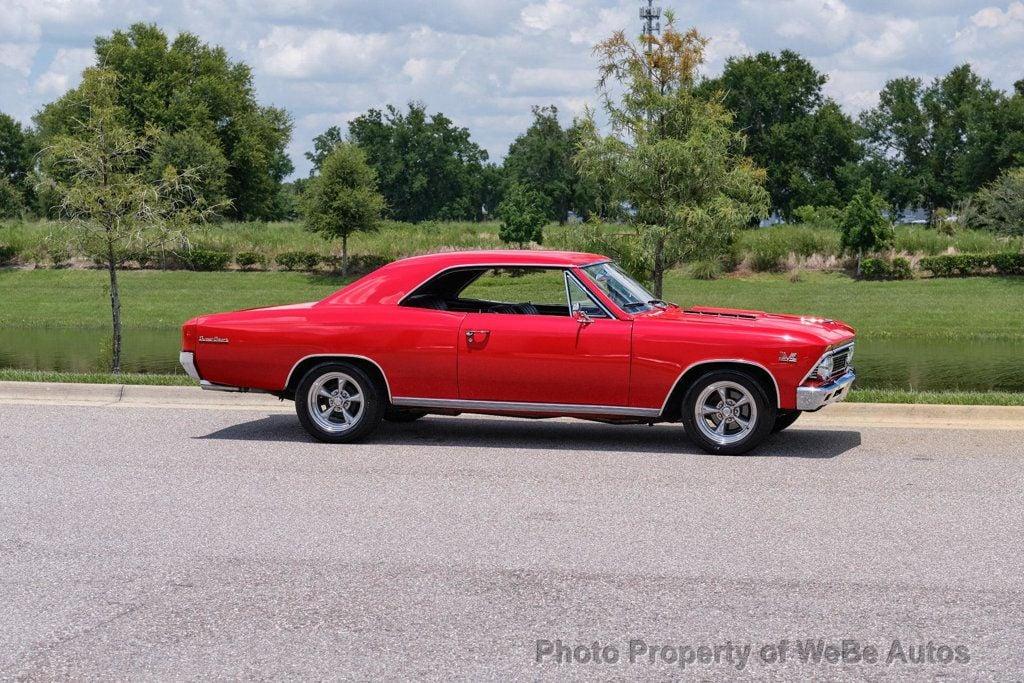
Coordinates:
[544,357]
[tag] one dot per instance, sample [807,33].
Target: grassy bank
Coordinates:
[969,308]
[994,398]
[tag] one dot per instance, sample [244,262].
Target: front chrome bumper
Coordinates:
[815,398]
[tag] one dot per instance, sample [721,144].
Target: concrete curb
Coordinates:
[131,395]
[842,414]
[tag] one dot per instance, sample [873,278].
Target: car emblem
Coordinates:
[787,357]
[213,340]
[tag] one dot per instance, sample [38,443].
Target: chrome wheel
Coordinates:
[725,412]
[336,402]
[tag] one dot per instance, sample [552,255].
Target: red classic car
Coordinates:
[526,334]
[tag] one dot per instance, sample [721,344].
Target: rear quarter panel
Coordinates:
[414,348]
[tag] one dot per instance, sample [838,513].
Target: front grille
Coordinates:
[841,361]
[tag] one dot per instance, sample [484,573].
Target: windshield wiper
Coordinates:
[630,304]
[659,302]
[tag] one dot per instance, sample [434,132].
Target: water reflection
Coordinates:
[924,365]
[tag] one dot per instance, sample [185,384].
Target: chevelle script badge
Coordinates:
[213,340]
[787,357]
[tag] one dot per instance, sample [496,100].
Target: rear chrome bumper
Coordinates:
[188,361]
[815,398]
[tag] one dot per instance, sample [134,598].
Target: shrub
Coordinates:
[818,216]
[999,206]
[248,260]
[200,258]
[299,260]
[7,254]
[705,270]
[766,256]
[960,265]
[883,269]
[1008,264]
[864,225]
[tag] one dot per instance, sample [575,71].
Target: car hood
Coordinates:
[823,329]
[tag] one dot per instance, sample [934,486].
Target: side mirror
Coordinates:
[582,317]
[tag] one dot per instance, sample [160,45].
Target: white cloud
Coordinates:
[484,63]
[334,55]
[64,71]
[17,57]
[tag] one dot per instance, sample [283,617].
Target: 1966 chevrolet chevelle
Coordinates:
[526,334]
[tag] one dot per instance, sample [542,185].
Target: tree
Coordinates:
[343,199]
[427,167]
[541,159]
[523,214]
[932,146]
[17,160]
[187,85]
[807,145]
[864,227]
[322,146]
[999,206]
[111,204]
[672,154]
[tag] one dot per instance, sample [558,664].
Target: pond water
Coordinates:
[924,365]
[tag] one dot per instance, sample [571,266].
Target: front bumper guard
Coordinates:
[809,399]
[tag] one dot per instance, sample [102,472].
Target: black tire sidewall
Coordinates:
[373,408]
[785,419]
[402,415]
[765,412]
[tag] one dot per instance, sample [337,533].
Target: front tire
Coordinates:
[785,419]
[727,412]
[339,403]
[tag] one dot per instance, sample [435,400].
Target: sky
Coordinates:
[484,63]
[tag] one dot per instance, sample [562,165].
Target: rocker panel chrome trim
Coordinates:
[524,407]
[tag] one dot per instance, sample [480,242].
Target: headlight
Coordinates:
[824,369]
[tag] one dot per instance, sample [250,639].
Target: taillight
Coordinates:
[189,332]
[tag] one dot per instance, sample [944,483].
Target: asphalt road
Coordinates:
[173,543]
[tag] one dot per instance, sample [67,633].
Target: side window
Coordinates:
[580,299]
[537,286]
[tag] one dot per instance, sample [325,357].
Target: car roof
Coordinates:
[449,259]
[395,281]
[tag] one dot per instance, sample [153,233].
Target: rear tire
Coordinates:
[784,419]
[339,403]
[727,412]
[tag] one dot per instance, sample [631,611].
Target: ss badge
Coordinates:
[787,357]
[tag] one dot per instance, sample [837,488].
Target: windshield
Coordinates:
[629,294]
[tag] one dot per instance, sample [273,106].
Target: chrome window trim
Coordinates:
[339,356]
[778,396]
[594,299]
[489,266]
[524,407]
[825,355]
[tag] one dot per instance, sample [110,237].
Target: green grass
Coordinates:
[956,308]
[950,398]
[12,375]
[150,299]
[965,308]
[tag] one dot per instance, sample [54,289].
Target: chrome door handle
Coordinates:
[471,334]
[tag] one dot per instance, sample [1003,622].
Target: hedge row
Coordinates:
[203,259]
[882,269]
[960,265]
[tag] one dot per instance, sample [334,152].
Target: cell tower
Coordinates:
[651,17]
